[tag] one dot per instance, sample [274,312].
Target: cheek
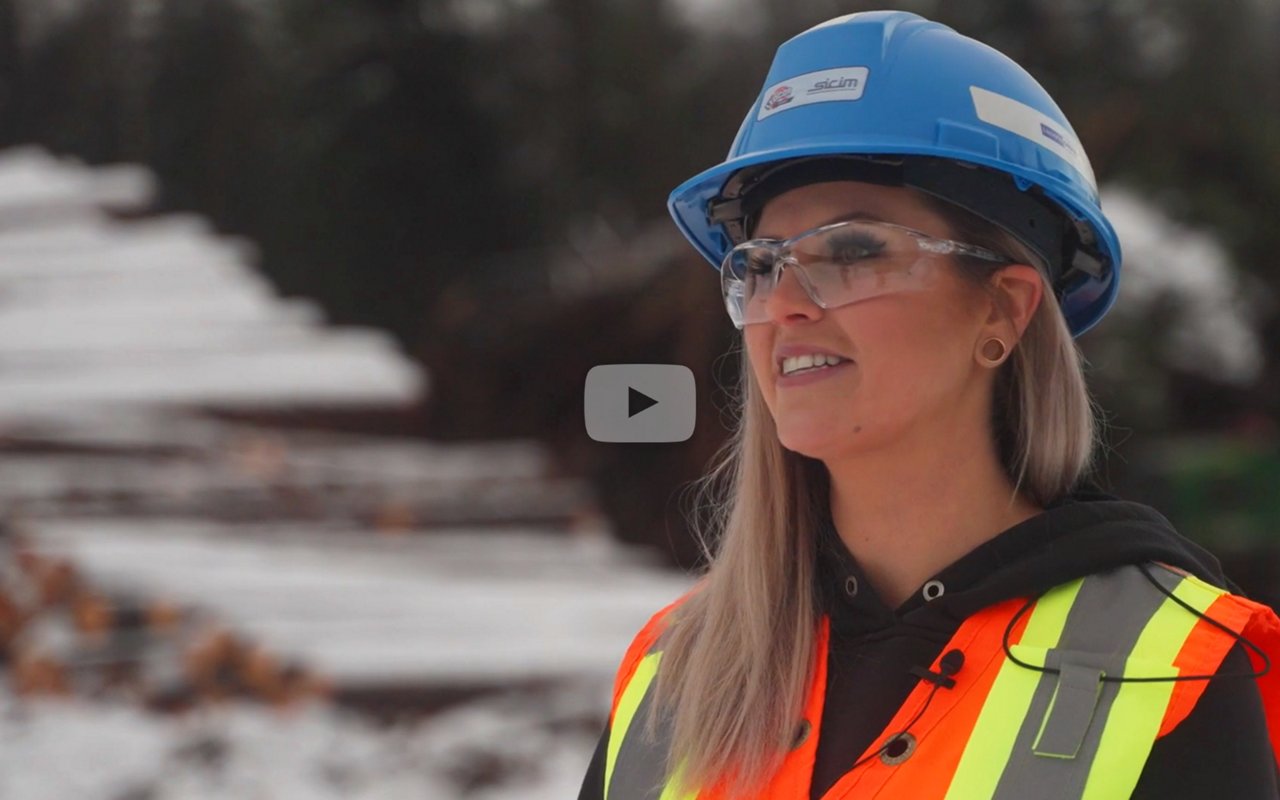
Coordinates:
[758,340]
[913,353]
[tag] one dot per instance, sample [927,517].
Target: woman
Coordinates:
[913,594]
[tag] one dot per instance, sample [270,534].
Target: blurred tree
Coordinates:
[602,104]
[206,98]
[10,71]
[424,165]
[70,97]
[340,138]
[391,174]
[343,138]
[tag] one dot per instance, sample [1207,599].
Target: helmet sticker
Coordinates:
[841,83]
[1025,121]
[779,97]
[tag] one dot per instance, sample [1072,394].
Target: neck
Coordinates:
[906,512]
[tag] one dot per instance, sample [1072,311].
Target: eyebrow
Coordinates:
[845,217]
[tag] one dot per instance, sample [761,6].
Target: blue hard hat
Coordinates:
[891,97]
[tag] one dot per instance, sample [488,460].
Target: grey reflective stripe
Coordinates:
[1102,628]
[1070,712]
[639,772]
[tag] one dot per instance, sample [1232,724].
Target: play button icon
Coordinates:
[640,403]
[637,402]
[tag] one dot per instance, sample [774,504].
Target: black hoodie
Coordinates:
[1221,749]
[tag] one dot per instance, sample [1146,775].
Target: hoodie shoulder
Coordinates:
[1085,533]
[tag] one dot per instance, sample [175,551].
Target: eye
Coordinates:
[760,263]
[850,249]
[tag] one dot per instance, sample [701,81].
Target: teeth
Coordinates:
[796,363]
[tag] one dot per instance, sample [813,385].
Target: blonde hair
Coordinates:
[738,652]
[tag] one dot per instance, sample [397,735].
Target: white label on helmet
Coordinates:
[842,83]
[1027,122]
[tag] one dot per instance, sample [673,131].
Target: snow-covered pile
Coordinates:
[519,746]
[445,608]
[406,574]
[162,311]
[149,464]
[1167,261]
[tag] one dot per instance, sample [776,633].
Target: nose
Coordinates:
[791,299]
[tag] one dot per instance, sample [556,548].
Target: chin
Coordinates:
[809,441]
[834,440]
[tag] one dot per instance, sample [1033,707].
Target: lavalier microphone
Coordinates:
[950,664]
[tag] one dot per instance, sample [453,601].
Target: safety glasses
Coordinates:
[836,265]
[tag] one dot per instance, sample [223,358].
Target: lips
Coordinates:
[785,351]
[791,366]
[807,376]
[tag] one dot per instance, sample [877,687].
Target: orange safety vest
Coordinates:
[1005,731]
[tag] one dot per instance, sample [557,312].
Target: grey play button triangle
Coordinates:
[637,402]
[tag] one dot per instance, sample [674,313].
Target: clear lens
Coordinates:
[836,265]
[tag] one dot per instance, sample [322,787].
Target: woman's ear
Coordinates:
[1016,291]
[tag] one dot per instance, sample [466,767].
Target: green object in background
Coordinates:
[1222,491]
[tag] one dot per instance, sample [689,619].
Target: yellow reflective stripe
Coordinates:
[1139,708]
[669,791]
[996,729]
[626,710]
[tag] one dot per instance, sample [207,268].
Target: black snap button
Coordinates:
[951,662]
[802,733]
[851,586]
[898,749]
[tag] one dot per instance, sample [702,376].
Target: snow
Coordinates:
[467,608]
[32,177]
[161,312]
[443,607]
[1163,258]
[166,465]
[326,371]
[720,17]
[112,335]
[27,477]
[381,564]
[508,747]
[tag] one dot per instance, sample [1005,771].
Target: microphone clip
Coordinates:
[950,664]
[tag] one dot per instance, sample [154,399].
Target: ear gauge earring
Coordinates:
[992,352]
